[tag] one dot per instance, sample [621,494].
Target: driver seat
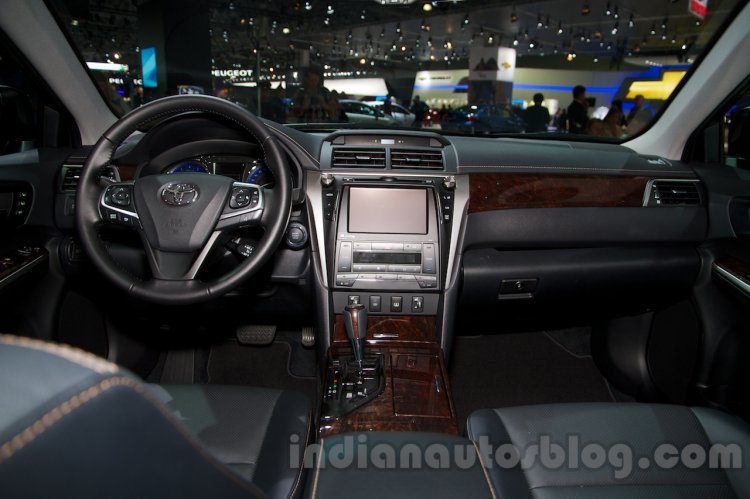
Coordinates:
[76,425]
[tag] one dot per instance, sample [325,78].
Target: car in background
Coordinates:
[359,112]
[402,115]
[489,118]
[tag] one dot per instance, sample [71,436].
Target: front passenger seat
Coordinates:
[75,425]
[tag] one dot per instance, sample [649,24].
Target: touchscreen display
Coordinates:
[387,211]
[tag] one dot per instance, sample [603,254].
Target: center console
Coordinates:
[385,238]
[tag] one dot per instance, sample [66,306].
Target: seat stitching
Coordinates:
[31,432]
[302,462]
[72,354]
[317,469]
[26,436]
[484,471]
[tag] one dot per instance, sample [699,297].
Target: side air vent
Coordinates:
[417,159]
[358,158]
[70,175]
[673,193]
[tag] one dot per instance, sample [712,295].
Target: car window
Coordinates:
[293,61]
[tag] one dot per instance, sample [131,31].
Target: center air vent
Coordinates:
[417,159]
[358,158]
[673,193]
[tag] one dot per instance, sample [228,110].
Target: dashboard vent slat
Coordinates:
[70,176]
[344,157]
[417,159]
[674,193]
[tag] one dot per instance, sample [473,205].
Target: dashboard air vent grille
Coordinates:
[70,175]
[417,159]
[358,158]
[674,193]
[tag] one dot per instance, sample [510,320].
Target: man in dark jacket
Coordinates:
[578,110]
[537,116]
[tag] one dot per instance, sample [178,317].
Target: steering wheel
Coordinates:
[180,216]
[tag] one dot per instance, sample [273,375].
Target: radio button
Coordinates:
[369,267]
[362,246]
[417,304]
[427,281]
[406,277]
[411,268]
[388,246]
[412,246]
[428,264]
[345,257]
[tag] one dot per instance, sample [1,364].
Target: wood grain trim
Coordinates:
[388,329]
[498,191]
[738,268]
[380,414]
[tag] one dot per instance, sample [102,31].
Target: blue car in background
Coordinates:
[488,118]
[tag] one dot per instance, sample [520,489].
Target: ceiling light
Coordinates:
[614,29]
[631,21]
[559,28]
[539,22]
[329,10]
[308,6]
[608,11]
[427,6]
[466,20]
[286,30]
[513,15]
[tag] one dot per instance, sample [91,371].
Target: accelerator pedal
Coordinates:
[256,335]
[308,337]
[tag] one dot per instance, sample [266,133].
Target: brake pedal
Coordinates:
[308,336]
[256,335]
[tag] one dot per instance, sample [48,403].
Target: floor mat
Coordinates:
[266,366]
[520,369]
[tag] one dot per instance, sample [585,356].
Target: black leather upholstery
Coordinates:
[74,425]
[355,465]
[252,431]
[642,427]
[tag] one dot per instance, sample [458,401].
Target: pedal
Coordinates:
[256,335]
[308,337]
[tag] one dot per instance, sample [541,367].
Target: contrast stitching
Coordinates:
[42,424]
[484,470]
[302,461]
[72,354]
[317,469]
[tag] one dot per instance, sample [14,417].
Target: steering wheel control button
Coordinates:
[296,235]
[121,196]
[242,197]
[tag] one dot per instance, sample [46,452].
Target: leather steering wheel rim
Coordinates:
[275,214]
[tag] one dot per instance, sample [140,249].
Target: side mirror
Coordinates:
[16,121]
[738,137]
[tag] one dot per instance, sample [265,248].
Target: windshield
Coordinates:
[596,69]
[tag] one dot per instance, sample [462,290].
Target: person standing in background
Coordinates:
[420,110]
[640,116]
[578,115]
[537,116]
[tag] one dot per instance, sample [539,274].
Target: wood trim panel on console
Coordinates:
[497,191]
[740,269]
[392,328]
[417,394]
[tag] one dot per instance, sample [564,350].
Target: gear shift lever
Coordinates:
[350,384]
[355,321]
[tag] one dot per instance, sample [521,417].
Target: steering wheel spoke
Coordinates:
[178,266]
[117,207]
[244,208]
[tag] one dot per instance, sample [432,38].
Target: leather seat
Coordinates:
[642,428]
[74,425]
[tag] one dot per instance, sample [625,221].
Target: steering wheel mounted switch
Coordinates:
[243,197]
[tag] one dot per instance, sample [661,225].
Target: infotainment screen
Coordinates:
[387,210]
